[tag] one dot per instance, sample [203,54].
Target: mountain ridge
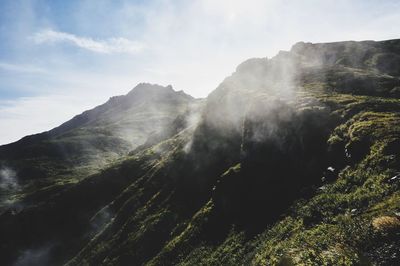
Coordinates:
[292,160]
[114,100]
[89,141]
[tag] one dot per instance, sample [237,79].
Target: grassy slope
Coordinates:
[333,227]
[212,196]
[337,225]
[53,160]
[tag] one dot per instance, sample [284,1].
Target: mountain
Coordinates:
[87,142]
[293,160]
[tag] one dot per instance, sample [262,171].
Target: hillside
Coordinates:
[83,145]
[295,160]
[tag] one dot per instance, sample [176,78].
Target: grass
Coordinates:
[322,190]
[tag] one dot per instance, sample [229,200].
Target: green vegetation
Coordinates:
[283,168]
[50,161]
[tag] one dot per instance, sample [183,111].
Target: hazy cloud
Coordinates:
[21,68]
[107,46]
[8,179]
[37,114]
[34,256]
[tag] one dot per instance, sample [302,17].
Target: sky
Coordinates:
[59,58]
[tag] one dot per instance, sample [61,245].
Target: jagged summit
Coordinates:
[343,44]
[154,90]
[379,56]
[150,88]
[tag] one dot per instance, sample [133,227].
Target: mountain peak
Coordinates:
[150,88]
[154,91]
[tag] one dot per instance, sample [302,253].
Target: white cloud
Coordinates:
[21,68]
[107,46]
[30,115]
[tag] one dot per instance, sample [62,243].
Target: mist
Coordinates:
[8,179]
[35,256]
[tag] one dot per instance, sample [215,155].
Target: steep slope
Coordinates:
[295,161]
[94,138]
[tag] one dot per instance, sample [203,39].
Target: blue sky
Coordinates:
[59,58]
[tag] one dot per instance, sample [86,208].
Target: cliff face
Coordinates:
[292,160]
